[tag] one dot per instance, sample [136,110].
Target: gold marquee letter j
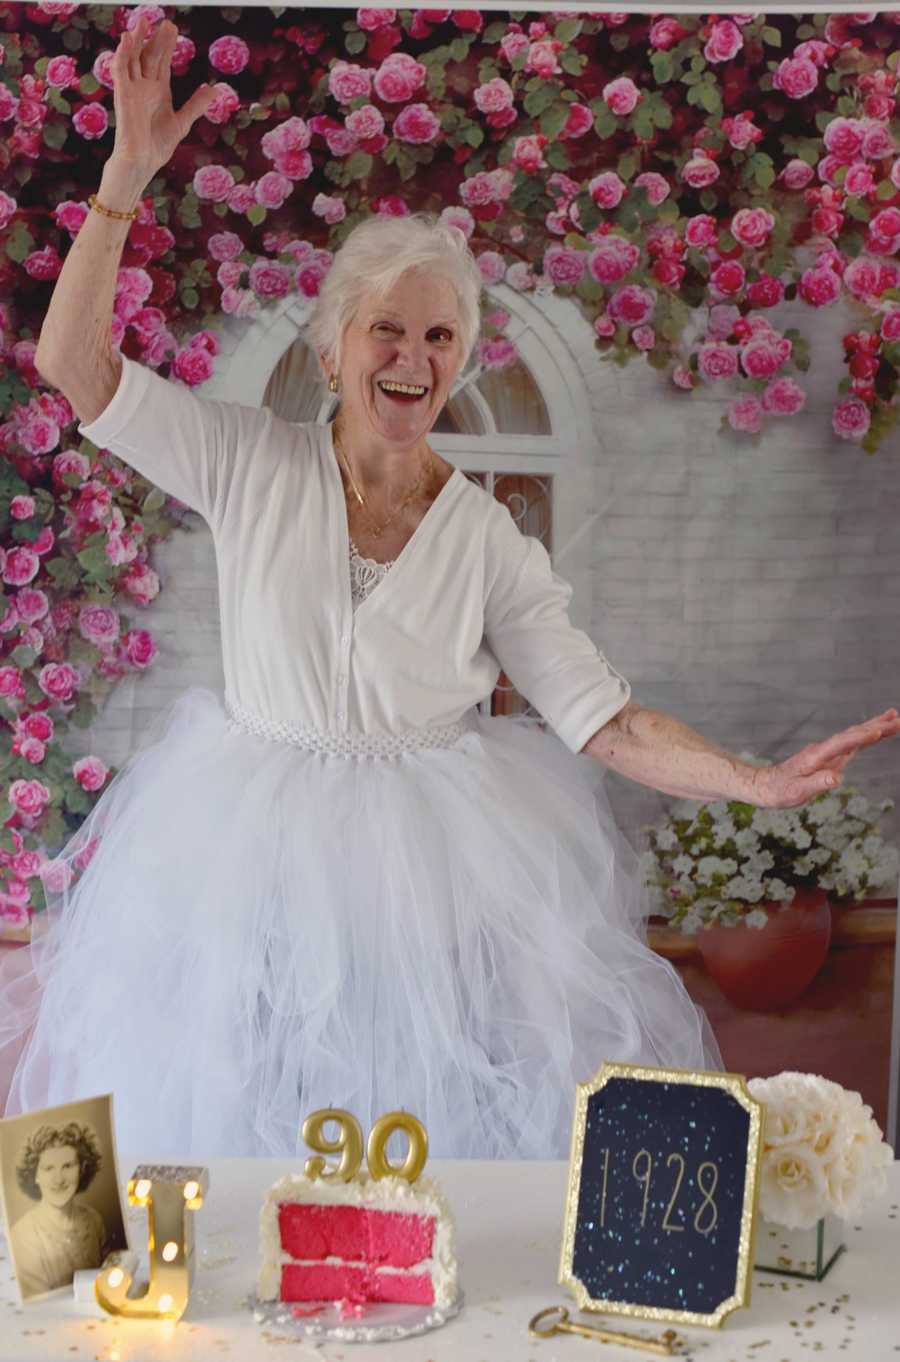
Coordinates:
[170,1193]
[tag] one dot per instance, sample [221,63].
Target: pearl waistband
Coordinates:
[347,744]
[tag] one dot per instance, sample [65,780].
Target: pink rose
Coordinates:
[513,44]
[742,132]
[491,265]
[612,258]
[38,726]
[700,171]
[797,77]
[223,104]
[292,134]
[766,291]
[416,124]
[32,749]
[701,231]
[225,246]
[796,174]
[542,59]
[564,265]
[632,304]
[527,154]
[11,684]
[329,207]
[886,223]
[606,189]
[370,20]
[644,337]
[763,356]
[728,278]
[862,278]
[269,279]
[745,413]
[579,121]
[655,186]
[61,72]
[8,206]
[21,566]
[229,54]
[458,217]
[724,42]
[90,121]
[58,681]
[138,648]
[621,95]
[665,33]
[398,77]
[82,859]
[494,96]
[141,583]
[751,226]
[30,797]
[347,82]
[55,876]
[814,50]
[604,326]
[819,286]
[272,189]
[682,377]
[498,353]
[22,507]
[859,180]
[31,604]
[851,418]
[213,182]
[90,773]
[844,137]
[716,360]
[877,141]
[365,122]
[783,397]
[99,624]
[890,325]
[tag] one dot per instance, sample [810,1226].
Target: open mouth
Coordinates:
[408,393]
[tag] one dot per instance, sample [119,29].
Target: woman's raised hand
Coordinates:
[818,766]
[148,129]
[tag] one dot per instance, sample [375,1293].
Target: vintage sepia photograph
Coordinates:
[61,1200]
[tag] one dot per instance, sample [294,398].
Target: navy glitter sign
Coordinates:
[662,1193]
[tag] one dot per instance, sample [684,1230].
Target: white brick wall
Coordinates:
[753,591]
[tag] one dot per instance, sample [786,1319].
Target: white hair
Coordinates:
[375,255]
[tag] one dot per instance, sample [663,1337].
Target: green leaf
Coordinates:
[885,190]
[537,101]
[771,35]
[572,62]
[710,98]
[663,67]
[459,49]
[474,135]
[626,166]
[88,83]
[553,120]
[557,156]
[19,242]
[605,121]
[494,32]
[220,209]
[72,39]
[23,656]
[567,30]
[94,561]
[256,214]
[54,135]
[355,42]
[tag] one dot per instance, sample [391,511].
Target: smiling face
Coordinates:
[57,1174]
[408,336]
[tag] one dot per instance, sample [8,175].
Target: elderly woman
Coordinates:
[345,885]
[59,1235]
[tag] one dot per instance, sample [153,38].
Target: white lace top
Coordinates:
[365,574]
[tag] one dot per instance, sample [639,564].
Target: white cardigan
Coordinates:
[467,595]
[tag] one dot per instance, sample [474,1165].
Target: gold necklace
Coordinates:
[378,530]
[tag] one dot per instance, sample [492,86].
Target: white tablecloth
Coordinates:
[510,1221]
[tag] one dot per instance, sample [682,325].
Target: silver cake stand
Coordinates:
[377,1324]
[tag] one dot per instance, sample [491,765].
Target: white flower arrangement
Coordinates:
[712,862]
[822,1151]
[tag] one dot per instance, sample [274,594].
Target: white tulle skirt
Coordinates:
[264,931]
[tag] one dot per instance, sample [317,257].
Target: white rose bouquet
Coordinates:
[822,1150]
[711,863]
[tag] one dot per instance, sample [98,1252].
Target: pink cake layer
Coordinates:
[341,1281]
[378,1238]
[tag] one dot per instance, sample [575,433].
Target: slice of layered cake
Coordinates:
[366,1240]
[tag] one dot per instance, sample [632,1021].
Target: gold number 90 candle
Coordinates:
[170,1193]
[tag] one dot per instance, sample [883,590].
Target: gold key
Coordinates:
[543,1326]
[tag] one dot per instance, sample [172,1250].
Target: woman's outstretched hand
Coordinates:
[148,129]
[817,767]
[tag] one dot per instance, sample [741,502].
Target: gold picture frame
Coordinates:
[735,1086]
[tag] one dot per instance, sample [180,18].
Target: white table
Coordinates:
[509,1217]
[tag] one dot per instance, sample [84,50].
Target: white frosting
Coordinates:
[423,1197]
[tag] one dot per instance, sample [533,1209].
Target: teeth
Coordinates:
[389,387]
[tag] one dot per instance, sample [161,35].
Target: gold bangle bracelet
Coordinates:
[94,202]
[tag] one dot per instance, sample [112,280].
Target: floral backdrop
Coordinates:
[656,168]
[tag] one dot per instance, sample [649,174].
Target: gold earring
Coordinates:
[333,384]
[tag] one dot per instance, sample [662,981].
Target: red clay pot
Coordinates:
[762,969]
